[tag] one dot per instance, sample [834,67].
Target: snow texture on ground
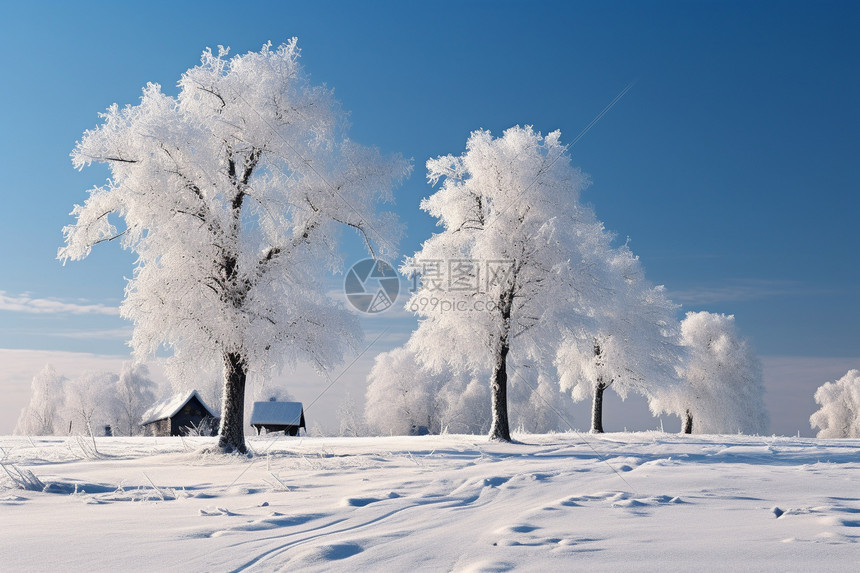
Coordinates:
[562,502]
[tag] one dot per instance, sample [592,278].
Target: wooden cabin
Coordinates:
[272,416]
[180,415]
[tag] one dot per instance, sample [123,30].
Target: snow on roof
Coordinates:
[169,407]
[278,413]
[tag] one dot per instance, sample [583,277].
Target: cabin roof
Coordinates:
[278,413]
[171,406]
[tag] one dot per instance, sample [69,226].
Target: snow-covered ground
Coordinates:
[633,501]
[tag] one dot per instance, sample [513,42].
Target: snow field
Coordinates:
[648,501]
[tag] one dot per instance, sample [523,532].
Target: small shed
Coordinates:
[180,415]
[274,416]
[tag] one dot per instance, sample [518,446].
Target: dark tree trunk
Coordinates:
[500,428]
[688,422]
[232,432]
[597,408]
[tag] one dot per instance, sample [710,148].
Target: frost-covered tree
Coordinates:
[91,401]
[631,343]
[39,417]
[512,267]
[397,395]
[538,405]
[135,393]
[232,194]
[464,405]
[839,415]
[401,394]
[404,394]
[722,389]
[351,422]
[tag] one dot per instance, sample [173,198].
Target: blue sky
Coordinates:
[730,163]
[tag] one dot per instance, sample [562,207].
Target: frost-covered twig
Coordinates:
[95,449]
[88,452]
[22,478]
[155,487]
[284,487]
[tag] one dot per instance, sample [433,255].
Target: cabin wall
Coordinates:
[158,428]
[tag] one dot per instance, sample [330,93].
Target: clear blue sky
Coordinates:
[731,164]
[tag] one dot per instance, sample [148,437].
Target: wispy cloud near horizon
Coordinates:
[739,290]
[110,334]
[30,305]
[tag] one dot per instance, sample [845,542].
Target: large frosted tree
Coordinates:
[839,414]
[232,193]
[722,389]
[631,342]
[511,266]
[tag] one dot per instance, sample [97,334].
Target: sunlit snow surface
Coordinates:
[648,501]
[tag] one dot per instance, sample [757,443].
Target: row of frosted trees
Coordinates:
[233,194]
[84,405]
[524,289]
[720,388]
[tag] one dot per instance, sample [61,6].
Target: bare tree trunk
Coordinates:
[500,428]
[688,422]
[232,432]
[597,408]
